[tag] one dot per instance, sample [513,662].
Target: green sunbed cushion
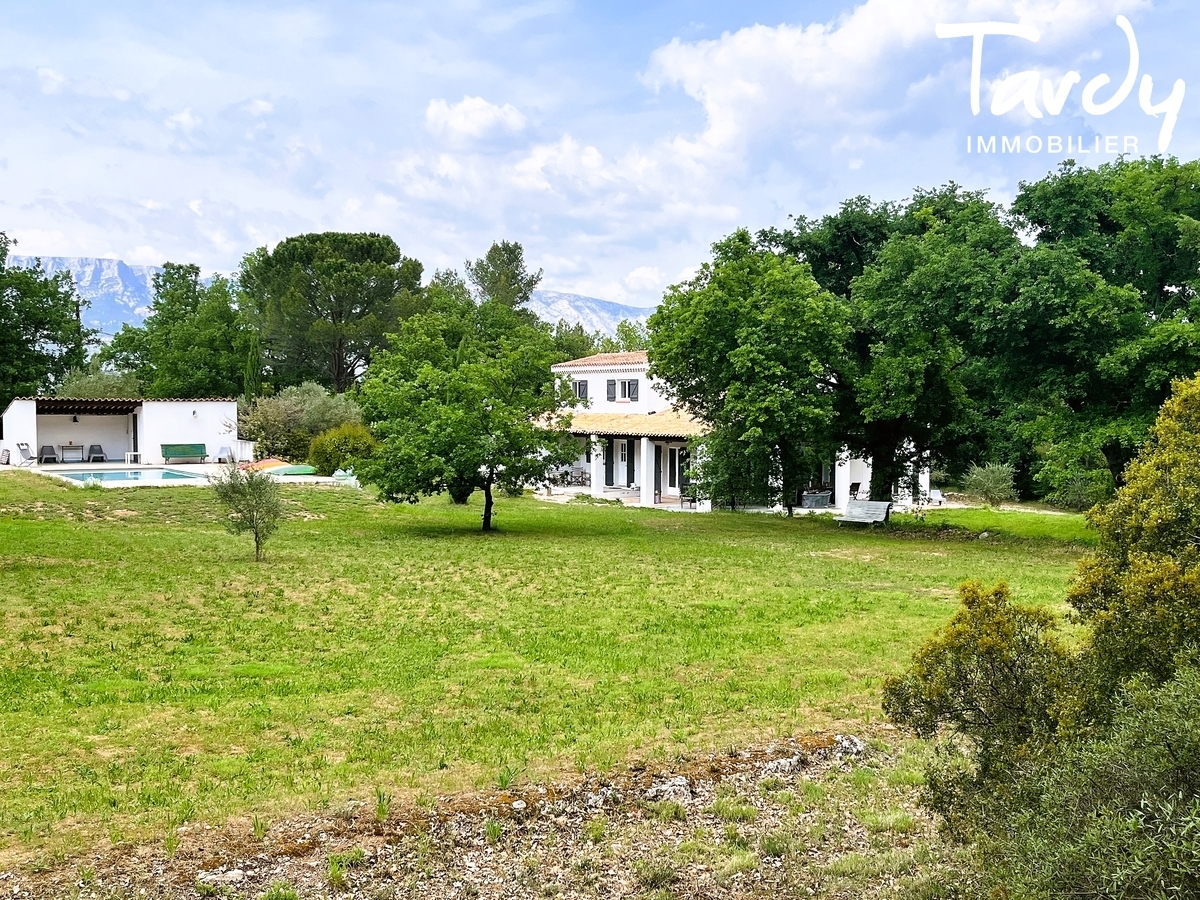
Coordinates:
[293,470]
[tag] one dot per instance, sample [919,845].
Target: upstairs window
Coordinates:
[580,389]
[623,391]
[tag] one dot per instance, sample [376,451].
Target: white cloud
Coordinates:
[471,117]
[142,255]
[185,120]
[52,82]
[643,278]
[761,79]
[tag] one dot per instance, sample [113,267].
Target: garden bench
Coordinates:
[865,512]
[184,451]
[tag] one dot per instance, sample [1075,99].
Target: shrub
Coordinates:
[1140,592]
[284,425]
[1111,818]
[993,675]
[1077,772]
[252,501]
[993,483]
[1081,490]
[338,447]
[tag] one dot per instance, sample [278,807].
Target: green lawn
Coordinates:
[151,672]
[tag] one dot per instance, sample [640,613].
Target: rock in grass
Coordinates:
[848,745]
[675,790]
[784,766]
[233,876]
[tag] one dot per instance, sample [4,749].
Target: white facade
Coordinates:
[631,437]
[607,380]
[209,422]
[118,426]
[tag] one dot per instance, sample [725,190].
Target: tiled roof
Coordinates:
[111,406]
[599,360]
[141,399]
[668,423]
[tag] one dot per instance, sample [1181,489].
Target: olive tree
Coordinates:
[252,502]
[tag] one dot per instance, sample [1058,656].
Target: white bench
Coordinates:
[865,512]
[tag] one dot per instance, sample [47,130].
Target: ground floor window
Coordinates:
[624,451]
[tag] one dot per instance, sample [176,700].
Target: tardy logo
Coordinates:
[1022,89]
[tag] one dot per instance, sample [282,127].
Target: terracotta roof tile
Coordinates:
[667,423]
[632,358]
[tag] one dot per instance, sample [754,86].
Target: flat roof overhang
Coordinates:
[73,406]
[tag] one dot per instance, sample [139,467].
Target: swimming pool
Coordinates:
[124,477]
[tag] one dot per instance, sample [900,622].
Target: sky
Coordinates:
[615,140]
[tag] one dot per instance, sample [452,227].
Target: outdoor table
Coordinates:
[70,452]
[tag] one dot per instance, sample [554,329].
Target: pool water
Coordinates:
[117,477]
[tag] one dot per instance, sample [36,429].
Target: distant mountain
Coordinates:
[120,293]
[591,313]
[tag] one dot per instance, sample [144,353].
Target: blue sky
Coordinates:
[615,140]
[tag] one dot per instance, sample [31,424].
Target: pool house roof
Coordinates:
[103,406]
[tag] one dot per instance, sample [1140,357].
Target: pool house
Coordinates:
[60,430]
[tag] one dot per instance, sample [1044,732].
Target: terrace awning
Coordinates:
[72,406]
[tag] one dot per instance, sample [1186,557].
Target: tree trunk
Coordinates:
[487,504]
[1117,458]
[884,472]
[257,547]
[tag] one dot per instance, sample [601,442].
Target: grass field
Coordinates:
[151,672]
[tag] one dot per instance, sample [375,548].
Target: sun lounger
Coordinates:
[27,458]
[47,454]
[96,454]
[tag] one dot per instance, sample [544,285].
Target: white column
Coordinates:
[841,481]
[597,489]
[647,472]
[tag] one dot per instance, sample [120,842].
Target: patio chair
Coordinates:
[27,458]
[47,454]
[855,486]
[96,453]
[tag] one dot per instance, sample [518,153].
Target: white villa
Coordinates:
[632,437]
[634,440]
[62,429]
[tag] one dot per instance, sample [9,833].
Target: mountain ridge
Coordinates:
[120,294]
